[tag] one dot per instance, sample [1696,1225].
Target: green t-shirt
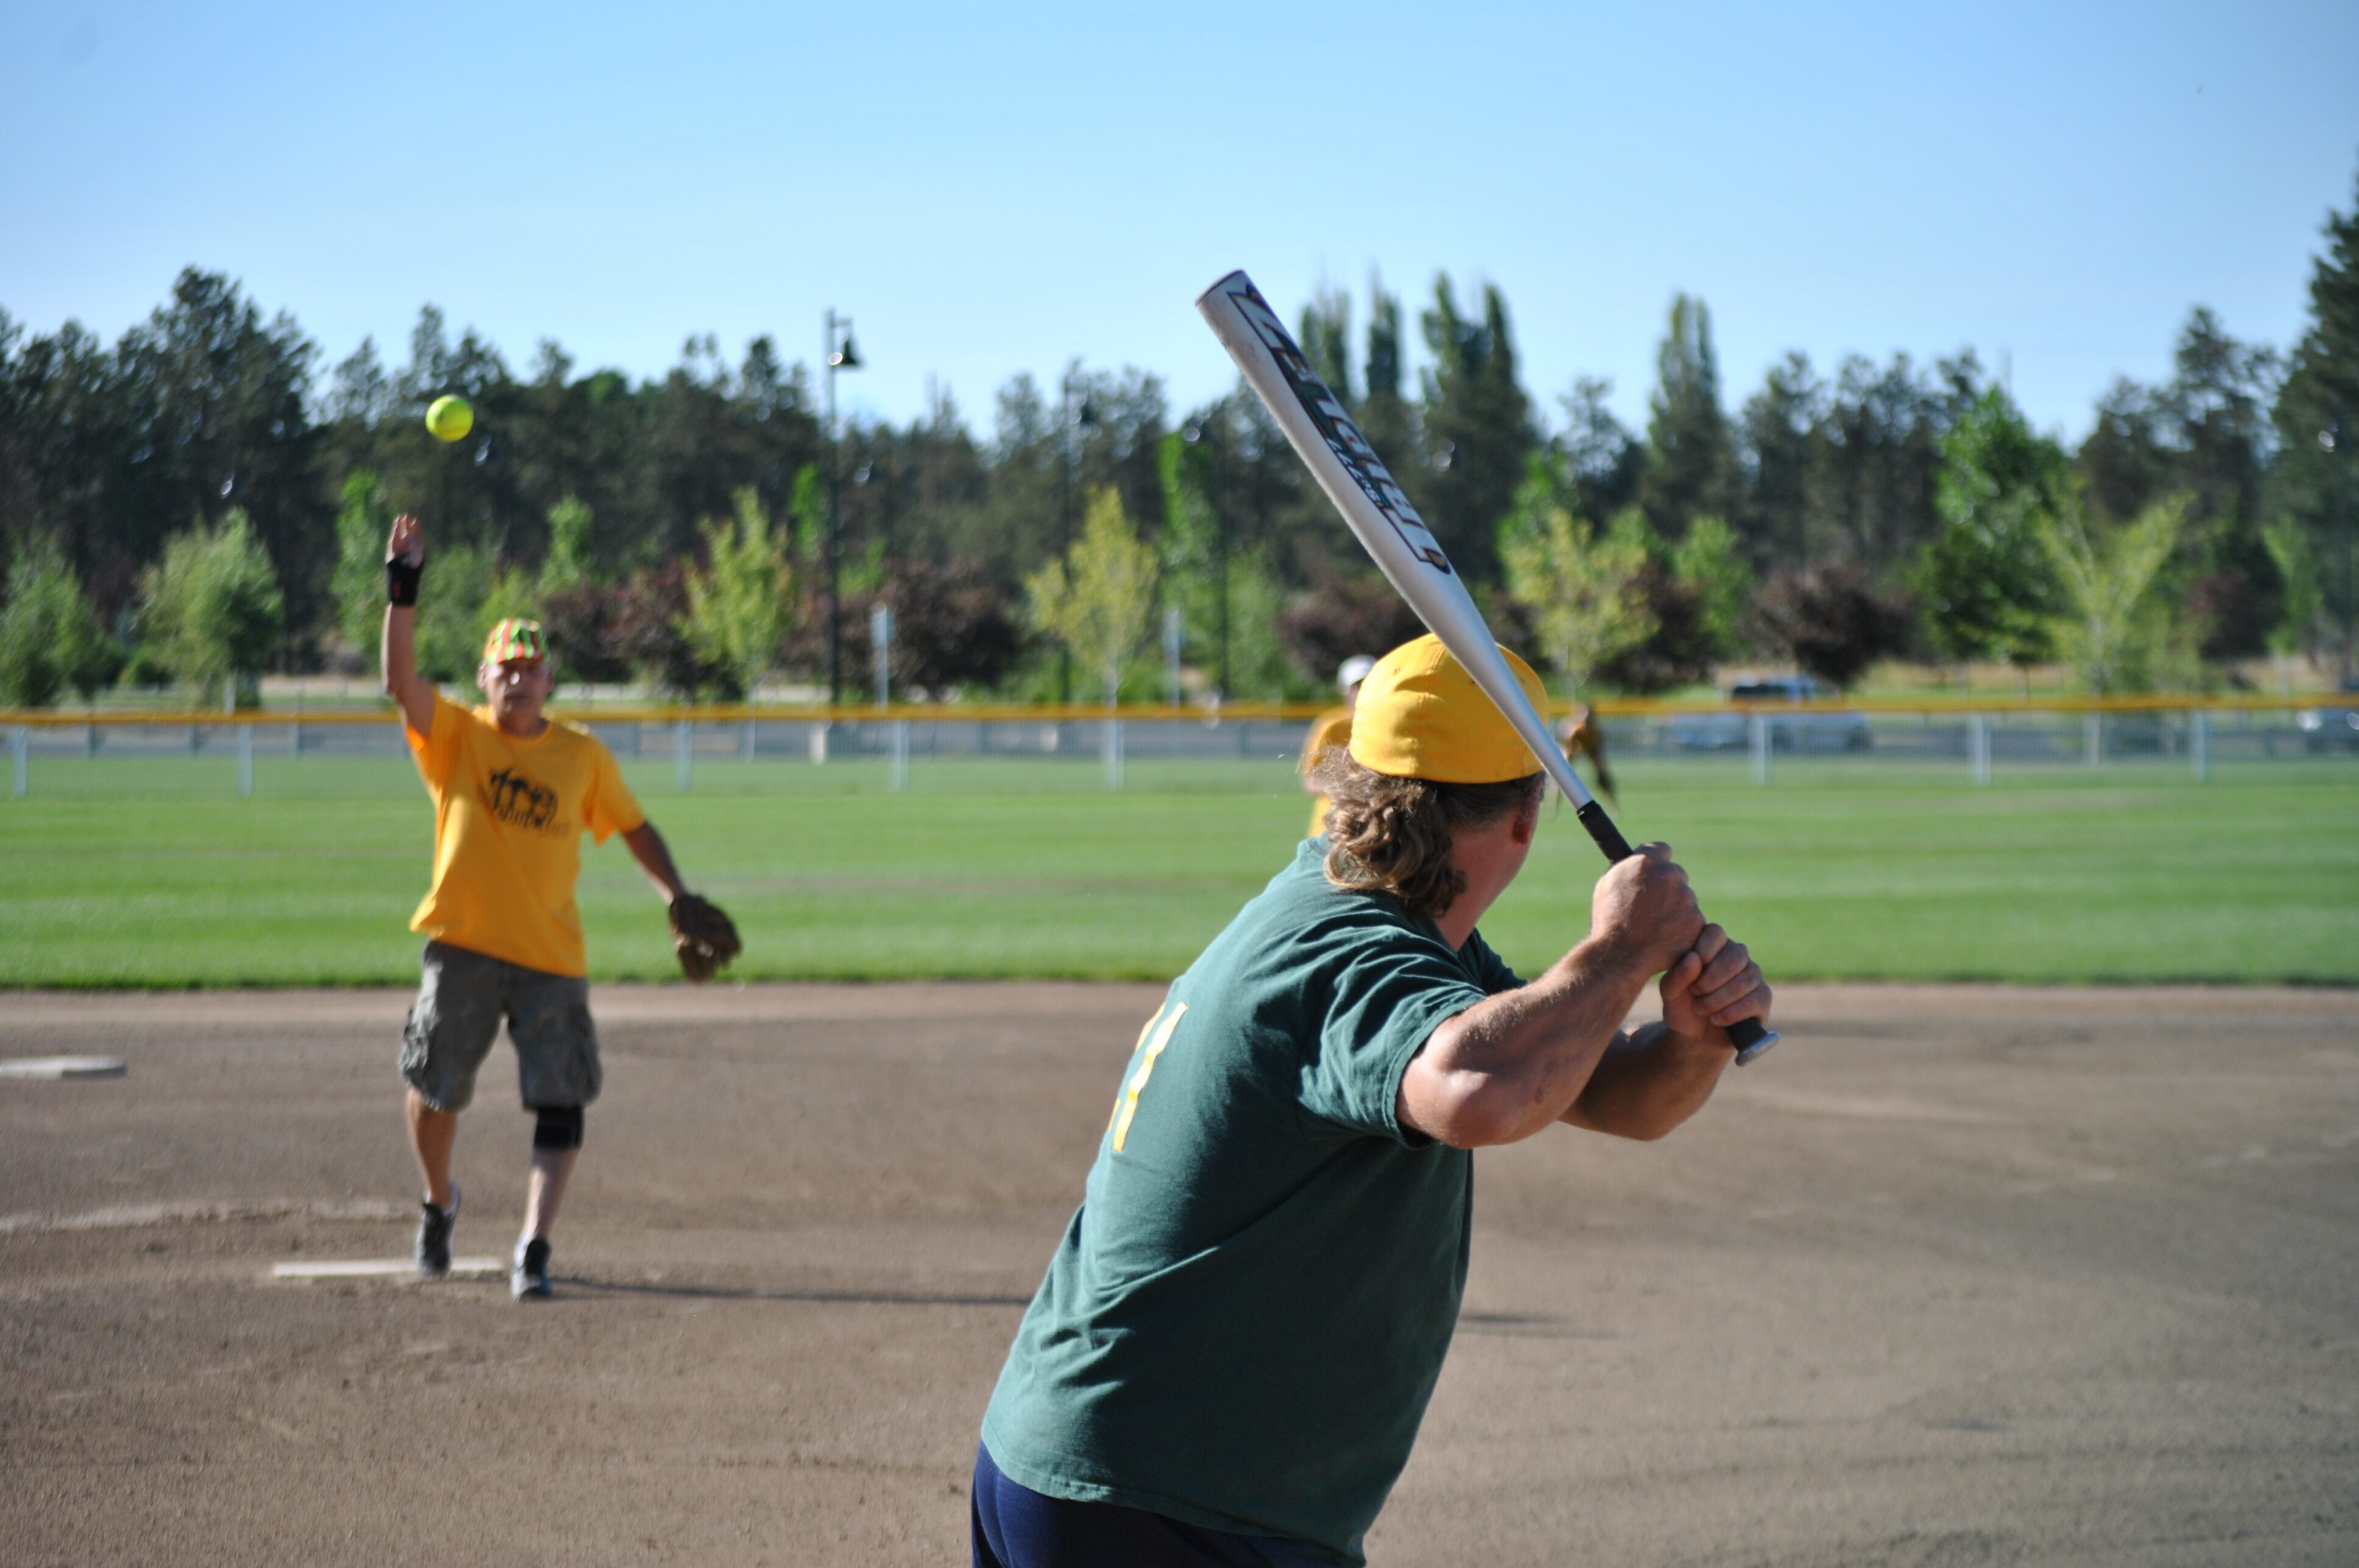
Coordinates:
[1247,1313]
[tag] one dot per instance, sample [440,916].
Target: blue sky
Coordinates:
[992,190]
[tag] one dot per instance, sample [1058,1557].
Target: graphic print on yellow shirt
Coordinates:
[508,820]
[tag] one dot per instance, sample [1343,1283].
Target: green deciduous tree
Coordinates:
[50,640]
[1986,582]
[513,594]
[1258,664]
[357,584]
[2290,547]
[1580,589]
[2105,574]
[450,622]
[212,610]
[1195,563]
[572,559]
[1710,563]
[1096,598]
[1692,595]
[740,604]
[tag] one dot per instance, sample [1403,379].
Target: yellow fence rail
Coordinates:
[1939,704]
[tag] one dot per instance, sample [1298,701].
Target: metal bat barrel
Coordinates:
[1379,513]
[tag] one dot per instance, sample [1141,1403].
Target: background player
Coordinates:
[514,791]
[1581,733]
[1331,728]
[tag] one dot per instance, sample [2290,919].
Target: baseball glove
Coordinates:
[704,938]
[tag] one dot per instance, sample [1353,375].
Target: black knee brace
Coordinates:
[559,1126]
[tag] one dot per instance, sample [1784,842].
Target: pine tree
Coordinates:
[2315,482]
[2235,595]
[1782,447]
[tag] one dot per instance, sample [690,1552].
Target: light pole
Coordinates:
[1174,637]
[1068,427]
[841,355]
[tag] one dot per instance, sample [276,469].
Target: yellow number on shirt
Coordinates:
[1148,1049]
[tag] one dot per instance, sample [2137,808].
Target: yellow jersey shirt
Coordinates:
[508,820]
[1330,728]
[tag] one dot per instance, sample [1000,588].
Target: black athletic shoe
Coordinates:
[434,1237]
[528,1279]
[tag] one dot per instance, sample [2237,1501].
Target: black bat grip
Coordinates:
[1746,1034]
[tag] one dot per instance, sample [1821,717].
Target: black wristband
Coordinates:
[401,581]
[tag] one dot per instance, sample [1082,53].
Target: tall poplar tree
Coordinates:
[1385,415]
[1478,429]
[1690,463]
[1326,341]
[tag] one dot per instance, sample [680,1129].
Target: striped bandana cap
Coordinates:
[515,638]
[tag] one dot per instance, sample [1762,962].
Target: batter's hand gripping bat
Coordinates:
[1356,479]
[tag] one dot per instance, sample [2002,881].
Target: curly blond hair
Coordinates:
[1392,835]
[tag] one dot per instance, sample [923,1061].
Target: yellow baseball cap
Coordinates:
[1421,716]
[515,638]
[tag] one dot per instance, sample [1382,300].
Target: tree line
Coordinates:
[203,500]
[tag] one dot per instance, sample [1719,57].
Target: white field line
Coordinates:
[377,1268]
[61,1067]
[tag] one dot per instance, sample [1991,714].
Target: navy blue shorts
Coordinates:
[1015,1527]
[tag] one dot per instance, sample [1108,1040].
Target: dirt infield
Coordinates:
[1955,1275]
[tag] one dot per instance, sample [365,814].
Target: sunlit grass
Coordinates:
[153,872]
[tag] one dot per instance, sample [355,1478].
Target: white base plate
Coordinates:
[375,1268]
[61,1067]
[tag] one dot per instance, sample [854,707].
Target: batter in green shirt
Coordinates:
[1255,1192]
[1244,1323]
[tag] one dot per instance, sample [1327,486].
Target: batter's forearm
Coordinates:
[1649,1083]
[1514,1065]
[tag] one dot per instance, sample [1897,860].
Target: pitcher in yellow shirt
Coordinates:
[514,791]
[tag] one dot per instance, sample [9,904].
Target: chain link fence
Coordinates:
[890,748]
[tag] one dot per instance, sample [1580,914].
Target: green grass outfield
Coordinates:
[129,872]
